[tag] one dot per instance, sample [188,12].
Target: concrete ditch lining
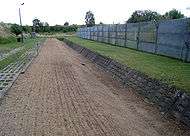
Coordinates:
[14,73]
[170,100]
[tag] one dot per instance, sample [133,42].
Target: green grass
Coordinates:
[11,59]
[168,70]
[28,44]
[6,46]
[9,39]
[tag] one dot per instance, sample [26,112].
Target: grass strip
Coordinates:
[168,70]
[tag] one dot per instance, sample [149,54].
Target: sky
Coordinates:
[106,11]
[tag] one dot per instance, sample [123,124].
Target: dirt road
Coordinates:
[62,93]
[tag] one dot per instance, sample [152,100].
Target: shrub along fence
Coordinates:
[169,38]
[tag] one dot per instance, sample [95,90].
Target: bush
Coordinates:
[144,15]
[173,14]
[16,29]
[5,40]
[64,29]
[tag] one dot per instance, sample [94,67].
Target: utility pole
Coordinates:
[22,37]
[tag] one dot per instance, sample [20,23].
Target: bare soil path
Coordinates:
[62,93]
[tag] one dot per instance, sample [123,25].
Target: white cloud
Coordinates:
[106,11]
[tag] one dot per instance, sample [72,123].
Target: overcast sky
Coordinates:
[73,11]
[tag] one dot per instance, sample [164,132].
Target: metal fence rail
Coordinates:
[169,38]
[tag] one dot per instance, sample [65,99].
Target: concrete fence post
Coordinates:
[138,35]
[116,33]
[187,51]
[156,37]
[93,33]
[102,33]
[109,34]
[81,32]
[98,33]
[90,33]
[84,32]
[85,35]
[125,35]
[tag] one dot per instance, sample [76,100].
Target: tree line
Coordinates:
[140,16]
[42,27]
[148,15]
[137,16]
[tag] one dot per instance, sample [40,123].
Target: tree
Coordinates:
[36,25]
[41,27]
[173,14]
[89,19]
[66,24]
[144,15]
[27,29]
[46,27]
[16,29]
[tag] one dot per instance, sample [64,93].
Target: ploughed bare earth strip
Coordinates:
[62,93]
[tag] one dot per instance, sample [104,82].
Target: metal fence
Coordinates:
[169,38]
